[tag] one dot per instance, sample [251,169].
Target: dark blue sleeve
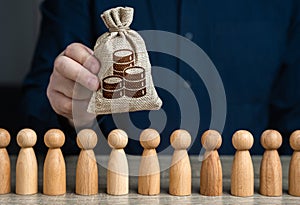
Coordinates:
[63,22]
[285,99]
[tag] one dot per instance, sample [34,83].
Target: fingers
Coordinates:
[84,56]
[68,87]
[72,70]
[61,104]
[73,79]
[74,110]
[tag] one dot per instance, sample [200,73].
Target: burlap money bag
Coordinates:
[125,74]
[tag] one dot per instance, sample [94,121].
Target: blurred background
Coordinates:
[19,22]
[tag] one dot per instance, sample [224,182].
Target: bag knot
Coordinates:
[119,29]
[118,19]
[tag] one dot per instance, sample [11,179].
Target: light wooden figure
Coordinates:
[26,167]
[54,179]
[117,169]
[294,170]
[149,172]
[180,170]
[86,170]
[211,169]
[242,175]
[4,162]
[270,167]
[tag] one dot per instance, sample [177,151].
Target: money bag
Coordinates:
[126,83]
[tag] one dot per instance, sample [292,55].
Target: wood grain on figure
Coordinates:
[211,169]
[4,162]
[294,169]
[270,167]
[54,179]
[117,169]
[242,174]
[26,167]
[180,170]
[86,169]
[149,171]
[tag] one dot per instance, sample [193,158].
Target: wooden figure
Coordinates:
[54,179]
[149,172]
[180,170]
[242,175]
[270,167]
[4,162]
[26,167]
[117,169]
[294,170]
[86,170]
[211,169]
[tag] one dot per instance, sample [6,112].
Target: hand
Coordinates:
[72,81]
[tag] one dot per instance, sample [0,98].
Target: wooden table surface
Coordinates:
[163,198]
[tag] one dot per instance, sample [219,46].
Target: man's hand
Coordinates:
[73,79]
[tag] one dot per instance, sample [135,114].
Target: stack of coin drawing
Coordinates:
[127,80]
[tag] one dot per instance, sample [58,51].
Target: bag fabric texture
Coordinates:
[125,76]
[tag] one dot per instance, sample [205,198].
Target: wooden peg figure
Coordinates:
[270,167]
[149,172]
[86,170]
[26,167]
[294,170]
[242,175]
[4,162]
[54,179]
[211,169]
[117,169]
[180,170]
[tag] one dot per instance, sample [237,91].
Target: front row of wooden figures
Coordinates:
[242,176]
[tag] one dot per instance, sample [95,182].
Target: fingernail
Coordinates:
[93,83]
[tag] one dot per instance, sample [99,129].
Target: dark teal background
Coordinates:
[254,44]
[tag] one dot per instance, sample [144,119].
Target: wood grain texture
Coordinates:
[180,183]
[242,172]
[149,173]
[294,168]
[26,166]
[242,175]
[270,174]
[149,170]
[86,169]
[163,198]
[180,174]
[5,168]
[26,172]
[117,173]
[86,173]
[211,183]
[294,175]
[5,174]
[54,178]
[270,168]
[117,168]
[211,175]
